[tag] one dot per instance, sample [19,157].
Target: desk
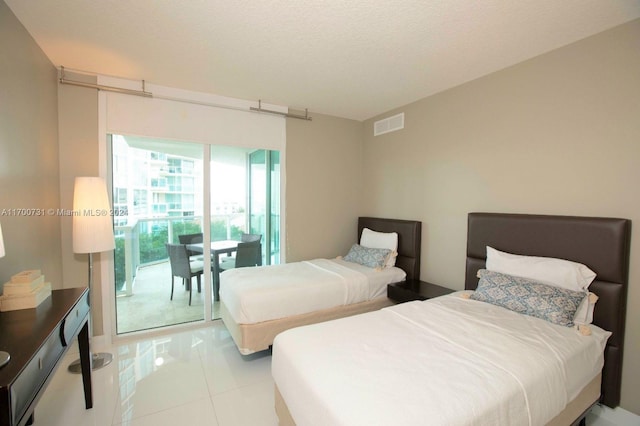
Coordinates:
[37,340]
[217,248]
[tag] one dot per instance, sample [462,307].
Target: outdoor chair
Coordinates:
[248,254]
[192,239]
[183,267]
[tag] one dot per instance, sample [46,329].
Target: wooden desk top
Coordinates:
[22,332]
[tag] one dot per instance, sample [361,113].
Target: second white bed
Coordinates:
[254,295]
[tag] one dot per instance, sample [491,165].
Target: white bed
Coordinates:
[253,295]
[258,303]
[430,358]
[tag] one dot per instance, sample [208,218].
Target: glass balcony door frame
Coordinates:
[177,114]
[265,199]
[258,164]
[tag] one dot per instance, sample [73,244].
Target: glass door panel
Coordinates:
[264,202]
[228,194]
[158,189]
[157,194]
[258,188]
[274,207]
[242,201]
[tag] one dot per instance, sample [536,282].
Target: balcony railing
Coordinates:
[142,241]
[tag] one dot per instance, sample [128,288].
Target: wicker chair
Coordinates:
[183,267]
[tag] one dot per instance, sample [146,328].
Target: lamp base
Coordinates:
[98,360]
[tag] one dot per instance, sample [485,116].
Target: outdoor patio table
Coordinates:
[217,248]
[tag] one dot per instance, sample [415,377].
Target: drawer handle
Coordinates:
[40,363]
[63,340]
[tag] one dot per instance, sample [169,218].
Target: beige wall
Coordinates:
[28,154]
[324,172]
[78,130]
[559,134]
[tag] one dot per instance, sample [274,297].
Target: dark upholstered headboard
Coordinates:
[600,243]
[409,240]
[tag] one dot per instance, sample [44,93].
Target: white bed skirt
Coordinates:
[250,338]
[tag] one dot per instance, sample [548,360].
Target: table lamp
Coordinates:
[92,233]
[4,356]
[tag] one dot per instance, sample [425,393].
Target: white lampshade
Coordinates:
[1,243]
[92,224]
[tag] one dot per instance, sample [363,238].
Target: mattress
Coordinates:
[447,360]
[253,295]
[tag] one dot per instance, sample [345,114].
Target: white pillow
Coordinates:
[381,240]
[557,272]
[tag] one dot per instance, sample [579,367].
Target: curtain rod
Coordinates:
[286,114]
[142,92]
[146,94]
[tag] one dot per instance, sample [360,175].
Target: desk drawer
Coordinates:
[34,375]
[72,323]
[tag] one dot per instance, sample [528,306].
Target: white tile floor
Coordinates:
[191,378]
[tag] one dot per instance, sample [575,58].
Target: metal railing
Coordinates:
[141,242]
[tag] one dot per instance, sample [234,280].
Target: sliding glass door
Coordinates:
[241,203]
[158,189]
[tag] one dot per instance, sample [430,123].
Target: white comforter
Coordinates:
[253,295]
[446,361]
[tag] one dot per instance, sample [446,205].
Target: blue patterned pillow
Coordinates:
[554,304]
[371,257]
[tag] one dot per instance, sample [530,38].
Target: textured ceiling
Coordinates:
[352,59]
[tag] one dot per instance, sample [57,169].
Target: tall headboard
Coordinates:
[409,240]
[600,243]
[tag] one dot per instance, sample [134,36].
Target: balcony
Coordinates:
[143,273]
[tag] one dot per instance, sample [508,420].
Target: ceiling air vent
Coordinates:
[390,124]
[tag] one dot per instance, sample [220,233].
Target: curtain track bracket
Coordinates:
[285,114]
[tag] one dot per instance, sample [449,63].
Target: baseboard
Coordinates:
[616,416]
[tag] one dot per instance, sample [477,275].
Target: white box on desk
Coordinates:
[25,301]
[15,288]
[26,276]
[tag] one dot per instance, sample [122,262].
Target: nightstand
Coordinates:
[406,291]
